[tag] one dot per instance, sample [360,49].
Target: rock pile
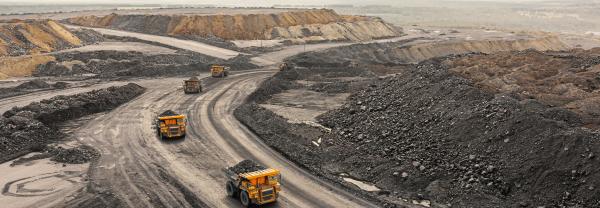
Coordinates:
[30,128]
[430,133]
[246,166]
[63,108]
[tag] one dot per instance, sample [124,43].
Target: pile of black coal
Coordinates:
[168,113]
[246,166]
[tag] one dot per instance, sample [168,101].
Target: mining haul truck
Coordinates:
[170,125]
[192,85]
[219,70]
[252,183]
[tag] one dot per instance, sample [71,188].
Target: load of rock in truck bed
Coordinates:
[246,166]
[168,113]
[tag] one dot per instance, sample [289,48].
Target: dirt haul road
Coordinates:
[148,172]
[144,171]
[190,45]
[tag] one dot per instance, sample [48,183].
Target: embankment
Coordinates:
[319,24]
[24,37]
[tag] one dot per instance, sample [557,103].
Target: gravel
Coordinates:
[77,155]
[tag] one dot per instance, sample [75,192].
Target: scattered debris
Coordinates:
[76,155]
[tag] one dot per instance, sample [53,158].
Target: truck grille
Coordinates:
[268,192]
[174,131]
[267,195]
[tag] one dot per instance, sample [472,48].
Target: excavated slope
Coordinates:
[296,24]
[398,53]
[21,66]
[34,37]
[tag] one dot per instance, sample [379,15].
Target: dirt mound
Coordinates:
[432,133]
[34,36]
[34,84]
[568,79]
[31,127]
[397,53]
[63,108]
[246,166]
[319,24]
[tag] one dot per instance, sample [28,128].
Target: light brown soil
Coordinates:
[313,25]
[22,65]
[34,37]
[570,79]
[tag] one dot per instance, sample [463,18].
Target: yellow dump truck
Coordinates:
[192,85]
[253,184]
[219,70]
[170,125]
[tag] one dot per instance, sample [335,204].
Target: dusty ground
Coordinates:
[40,183]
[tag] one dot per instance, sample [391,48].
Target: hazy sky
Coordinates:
[247,2]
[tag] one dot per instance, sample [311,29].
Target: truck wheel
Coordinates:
[245,199]
[231,189]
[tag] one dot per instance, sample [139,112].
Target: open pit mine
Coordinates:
[282,107]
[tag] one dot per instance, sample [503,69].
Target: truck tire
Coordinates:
[245,199]
[231,189]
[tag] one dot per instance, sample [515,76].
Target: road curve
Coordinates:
[145,171]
